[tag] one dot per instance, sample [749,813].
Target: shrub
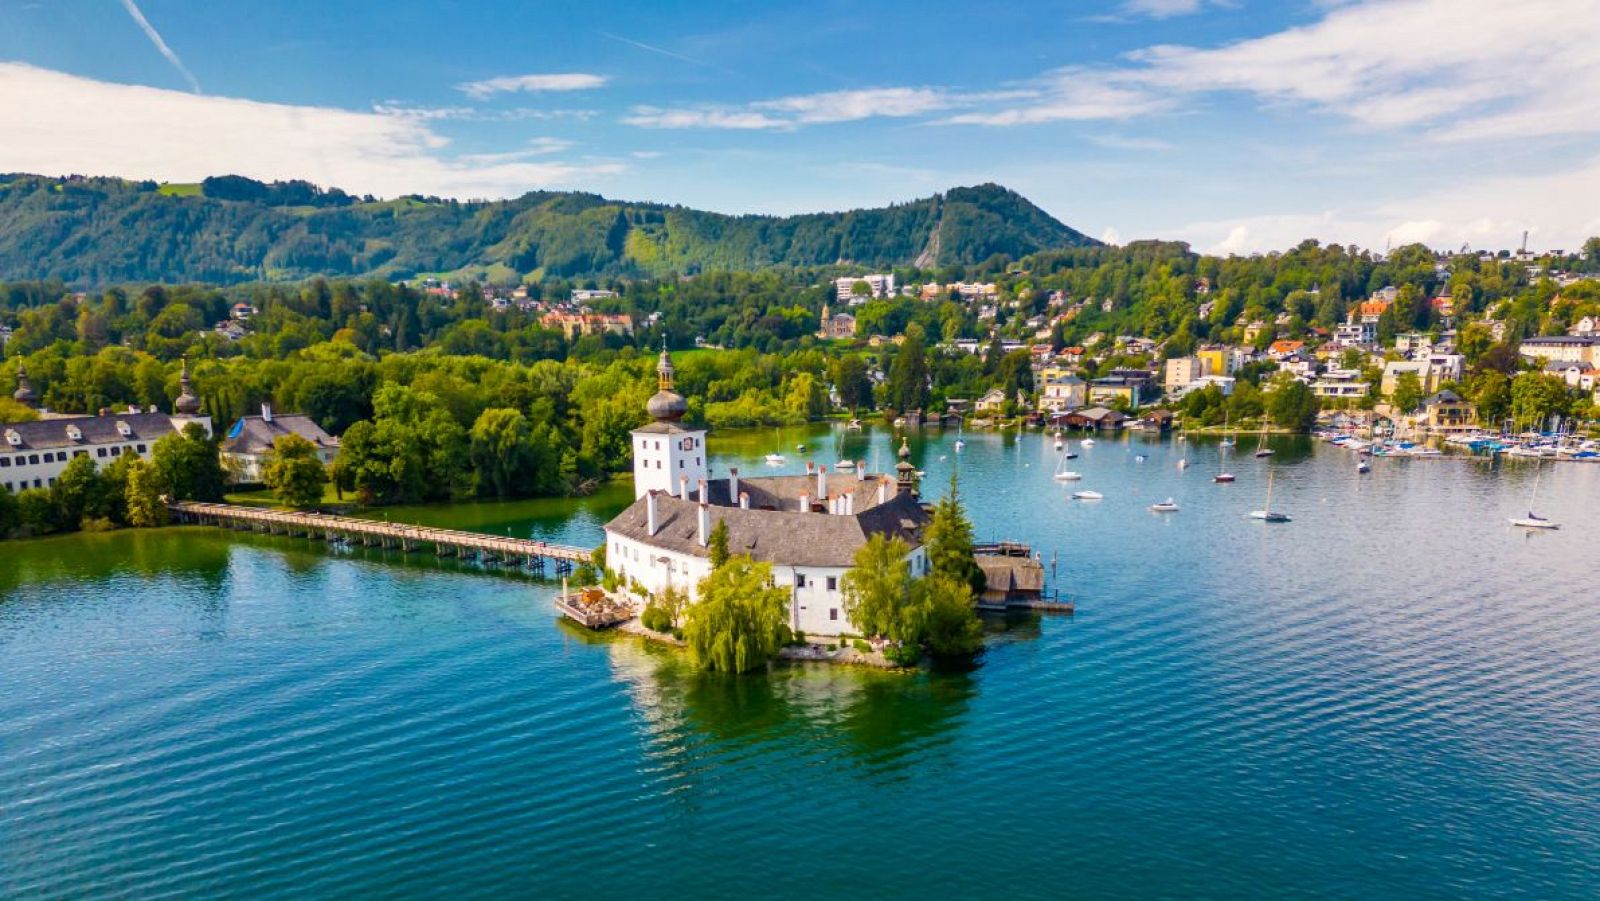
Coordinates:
[655,619]
[903,654]
[97,524]
[861,645]
[799,636]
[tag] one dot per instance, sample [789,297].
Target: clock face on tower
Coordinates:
[686,444]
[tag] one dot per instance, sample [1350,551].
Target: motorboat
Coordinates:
[1222,477]
[1068,475]
[1167,506]
[1087,442]
[1139,458]
[960,445]
[845,465]
[1363,466]
[776,459]
[1087,496]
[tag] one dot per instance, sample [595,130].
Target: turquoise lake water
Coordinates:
[1395,695]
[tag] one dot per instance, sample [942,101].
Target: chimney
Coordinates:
[850,505]
[683,487]
[705,496]
[652,515]
[822,481]
[811,466]
[705,524]
[805,503]
[861,470]
[744,500]
[266,412]
[733,482]
[883,489]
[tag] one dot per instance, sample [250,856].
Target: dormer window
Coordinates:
[12,438]
[74,433]
[124,429]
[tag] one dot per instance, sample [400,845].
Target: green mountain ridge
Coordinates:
[89,231]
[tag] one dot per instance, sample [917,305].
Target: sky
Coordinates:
[1239,126]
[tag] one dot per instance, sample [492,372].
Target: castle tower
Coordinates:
[666,453]
[186,408]
[905,471]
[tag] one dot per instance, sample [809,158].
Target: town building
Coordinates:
[1340,384]
[1181,371]
[847,288]
[807,527]
[584,295]
[1060,390]
[1446,412]
[576,324]
[248,444]
[1562,348]
[35,453]
[838,325]
[1394,369]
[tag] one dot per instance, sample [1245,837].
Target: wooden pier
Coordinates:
[378,533]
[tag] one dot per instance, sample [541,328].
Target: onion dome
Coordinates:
[24,393]
[187,403]
[666,405]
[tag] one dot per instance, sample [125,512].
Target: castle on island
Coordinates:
[808,527]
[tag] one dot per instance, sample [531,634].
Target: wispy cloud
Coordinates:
[1161,9]
[659,51]
[704,117]
[161,45]
[784,113]
[59,123]
[554,81]
[1119,142]
[401,110]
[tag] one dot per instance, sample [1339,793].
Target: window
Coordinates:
[680,464]
[99,452]
[33,459]
[833,613]
[141,448]
[799,580]
[116,450]
[833,583]
[52,482]
[5,461]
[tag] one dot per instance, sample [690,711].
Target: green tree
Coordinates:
[908,373]
[9,517]
[502,452]
[740,620]
[188,465]
[877,591]
[1535,397]
[953,628]
[852,383]
[79,492]
[1292,404]
[36,512]
[146,509]
[949,541]
[294,472]
[718,544]
[1407,393]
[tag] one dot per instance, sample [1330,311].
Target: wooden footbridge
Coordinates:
[378,533]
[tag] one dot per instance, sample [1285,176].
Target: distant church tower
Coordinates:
[666,452]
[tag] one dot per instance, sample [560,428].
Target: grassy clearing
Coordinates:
[180,189]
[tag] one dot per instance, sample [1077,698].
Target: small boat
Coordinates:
[1222,477]
[1264,452]
[1139,458]
[800,448]
[960,445]
[853,425]
[1266,513]
[1087,496]
[1087,442]
[1261,446]
[1068,475]
[1363,466]
[1183,462]
[1226,442]
[1167,506]
[776,459]
[1534,520]
[1060,444]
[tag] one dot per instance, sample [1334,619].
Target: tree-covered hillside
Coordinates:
[97,231]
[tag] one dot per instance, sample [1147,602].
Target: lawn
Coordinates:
[262,497]
[180,189]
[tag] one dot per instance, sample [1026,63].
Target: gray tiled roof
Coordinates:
[777,536]
[52,433]
[254,435]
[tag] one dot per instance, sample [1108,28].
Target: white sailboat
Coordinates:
[1167,506]
[1266,513]
[1087,496]
[1261,446]
[1063,474]
[775,458]
[1534,520]
[1227,442]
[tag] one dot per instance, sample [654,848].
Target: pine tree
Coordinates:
[950,543]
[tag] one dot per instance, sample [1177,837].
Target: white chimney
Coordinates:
[805,503]
[850,505]
[683,487]
[822,481]
[652,515]
[744,500]
[811,466]
[883,489]
[266,412]
[704,496]
[705,523]
[861,470]
[733,481]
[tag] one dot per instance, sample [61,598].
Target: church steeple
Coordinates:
[666,405]
[24,394]
[187,403]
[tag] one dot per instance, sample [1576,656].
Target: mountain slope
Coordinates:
[91,231]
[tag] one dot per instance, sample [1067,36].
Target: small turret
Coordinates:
[187,404]
[666,405]
[905,472]
[24,394]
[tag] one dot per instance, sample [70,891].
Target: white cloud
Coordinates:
[60,124]
[703,117]
[504,84]
[1553,207]
[1161,9]
[1119,142]
[848,106]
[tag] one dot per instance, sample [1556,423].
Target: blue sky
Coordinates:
[1235,125]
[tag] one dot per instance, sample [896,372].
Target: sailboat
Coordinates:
[1261,446]
[1266,513]
[1227,442]
[1534,520]
[775,458]
[1223,476]
[1060,442]
[1063,474]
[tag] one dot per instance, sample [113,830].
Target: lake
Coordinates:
[1395,695]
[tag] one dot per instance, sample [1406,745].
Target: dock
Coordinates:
[379,533]
[1016,580]
[593,608]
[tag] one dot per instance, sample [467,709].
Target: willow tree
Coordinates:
[740,620]
[877,591]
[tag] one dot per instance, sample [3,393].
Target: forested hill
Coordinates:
[96,231]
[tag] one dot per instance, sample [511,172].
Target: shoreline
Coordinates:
[810,652]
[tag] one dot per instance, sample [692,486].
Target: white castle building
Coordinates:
[34,454]
[807,527]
